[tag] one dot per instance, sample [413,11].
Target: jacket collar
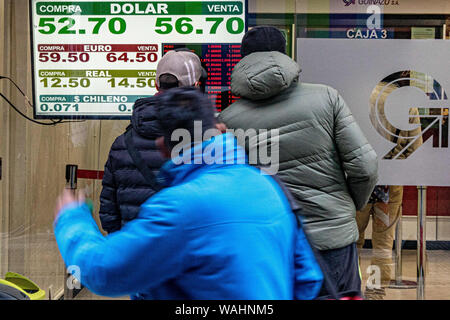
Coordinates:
[144,119]
[221,150]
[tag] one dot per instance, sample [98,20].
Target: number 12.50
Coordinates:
[72,83]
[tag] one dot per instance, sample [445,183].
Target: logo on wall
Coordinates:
[430,122]
[372,2]
[373,23]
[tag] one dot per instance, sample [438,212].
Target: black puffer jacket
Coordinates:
[124,187]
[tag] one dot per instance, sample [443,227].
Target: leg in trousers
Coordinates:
[385,218]
[362,220]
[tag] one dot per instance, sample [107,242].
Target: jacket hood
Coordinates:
[262,75]
[221,150]
[144,119]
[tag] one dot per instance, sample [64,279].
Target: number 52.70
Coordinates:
[68,25]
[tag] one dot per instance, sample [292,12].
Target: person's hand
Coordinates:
[221,127]
[68,196]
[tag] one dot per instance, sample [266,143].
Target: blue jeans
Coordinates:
[341,267]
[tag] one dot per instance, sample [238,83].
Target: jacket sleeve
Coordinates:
[145,252]
[110,217]
[358,158]
[307,273]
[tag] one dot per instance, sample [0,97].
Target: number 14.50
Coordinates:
[140,83]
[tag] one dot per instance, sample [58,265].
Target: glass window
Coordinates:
[39,157]
[332,27]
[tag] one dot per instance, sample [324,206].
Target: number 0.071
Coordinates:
[59,107]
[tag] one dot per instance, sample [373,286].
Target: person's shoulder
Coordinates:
[144,102]
[119,143]
[144,108]
[318,88]
[323,91]
[192,190]
[172,200]
[235,109]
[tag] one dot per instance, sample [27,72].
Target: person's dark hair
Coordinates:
[167,81]
[179,108]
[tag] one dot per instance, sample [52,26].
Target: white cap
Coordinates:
[184,65]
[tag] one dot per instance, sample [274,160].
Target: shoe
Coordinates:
[375,294]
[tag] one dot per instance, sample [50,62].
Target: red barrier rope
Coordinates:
[90,174]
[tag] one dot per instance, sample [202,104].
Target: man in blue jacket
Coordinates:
[220,230]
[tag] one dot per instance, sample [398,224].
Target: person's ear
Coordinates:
[221,127]
[157,88]
[161,145]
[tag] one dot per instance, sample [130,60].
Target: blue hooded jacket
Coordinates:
[218,231]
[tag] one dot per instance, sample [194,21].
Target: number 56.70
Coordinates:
[184,25]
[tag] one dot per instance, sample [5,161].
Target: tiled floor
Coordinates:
[85,294]
[437,281]
[437,278]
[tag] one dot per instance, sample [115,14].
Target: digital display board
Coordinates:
[94,59]
[219,61]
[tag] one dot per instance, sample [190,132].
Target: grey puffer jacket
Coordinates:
[324,157]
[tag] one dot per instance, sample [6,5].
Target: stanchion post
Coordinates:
[421,241]
[71,176]
[398,252]
[398,282]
